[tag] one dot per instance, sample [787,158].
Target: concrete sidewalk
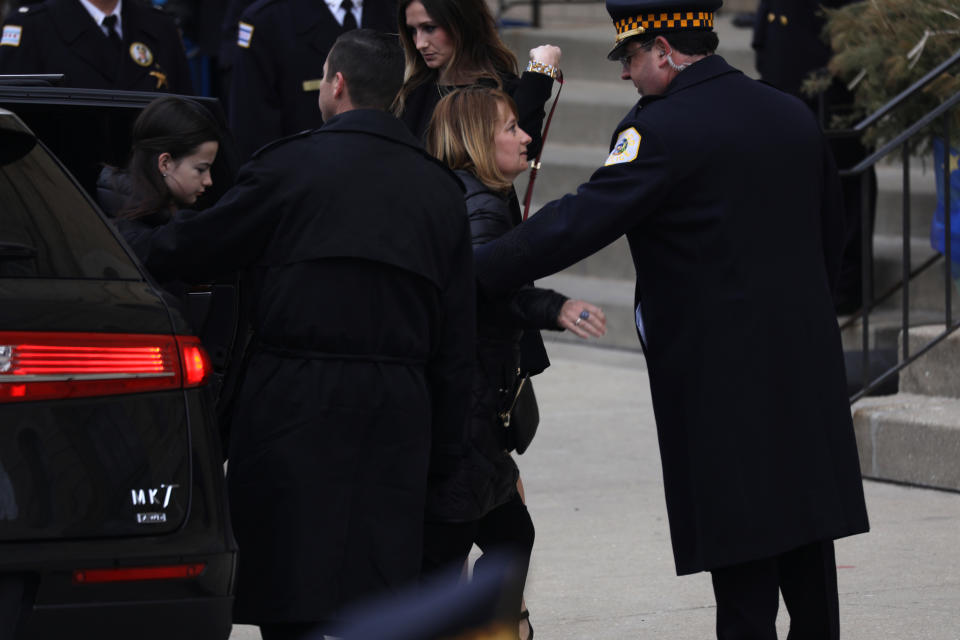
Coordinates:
[602,565]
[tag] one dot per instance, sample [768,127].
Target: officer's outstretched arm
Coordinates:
[618,196]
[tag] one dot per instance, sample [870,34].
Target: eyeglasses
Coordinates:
[625,60]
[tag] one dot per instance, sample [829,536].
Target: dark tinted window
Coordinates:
[49,230]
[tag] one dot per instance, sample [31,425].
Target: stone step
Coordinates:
[926,290]
[923,199]
[588,113]
[909,438]
[885,328]
[935,372]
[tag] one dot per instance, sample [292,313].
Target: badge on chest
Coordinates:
[141,54]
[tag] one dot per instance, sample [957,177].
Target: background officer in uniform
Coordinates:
[731,204]
[358,253]
[788,39]
[278,64]
[97,44]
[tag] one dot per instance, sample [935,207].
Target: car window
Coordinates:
[49,230]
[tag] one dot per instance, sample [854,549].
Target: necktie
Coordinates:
[349,20]
[110,22]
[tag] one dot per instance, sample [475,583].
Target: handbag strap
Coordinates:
[505,415]
[535,165]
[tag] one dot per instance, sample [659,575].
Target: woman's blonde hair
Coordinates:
[462,132]
[477,46]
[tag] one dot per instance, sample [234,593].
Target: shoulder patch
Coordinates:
[626,149]
[11,35]
[244,35]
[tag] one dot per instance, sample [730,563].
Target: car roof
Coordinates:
[28,93]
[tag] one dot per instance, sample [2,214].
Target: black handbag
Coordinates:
[522,416]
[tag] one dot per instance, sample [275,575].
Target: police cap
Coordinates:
[647,18]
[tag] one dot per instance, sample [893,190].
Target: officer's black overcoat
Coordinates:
[59,36]
[363,307]
[730,202]
[278,62]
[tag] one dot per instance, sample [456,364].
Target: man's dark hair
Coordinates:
[372,64]
[693,43]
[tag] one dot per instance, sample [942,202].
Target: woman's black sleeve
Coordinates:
[535,308]
[528,307]
[531,92]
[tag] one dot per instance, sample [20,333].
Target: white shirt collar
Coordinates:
[339,13]
[98,15]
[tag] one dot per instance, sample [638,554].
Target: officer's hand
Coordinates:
[582,319]
[547,54]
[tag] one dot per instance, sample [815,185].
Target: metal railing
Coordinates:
[861,169]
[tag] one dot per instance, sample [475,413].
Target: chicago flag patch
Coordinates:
[244,35]
[11,36]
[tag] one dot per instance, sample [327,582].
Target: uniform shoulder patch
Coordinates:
[11,35]
[244,35]
[626,148]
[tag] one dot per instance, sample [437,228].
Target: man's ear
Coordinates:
[663,48]
[339,84]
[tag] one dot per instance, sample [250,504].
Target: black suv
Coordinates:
[113,519]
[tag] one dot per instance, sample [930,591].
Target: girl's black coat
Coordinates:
[488,476]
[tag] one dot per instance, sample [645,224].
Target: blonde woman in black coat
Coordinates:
[475,132]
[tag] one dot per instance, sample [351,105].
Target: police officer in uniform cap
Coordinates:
[97,44]
[731,204]
[278,64]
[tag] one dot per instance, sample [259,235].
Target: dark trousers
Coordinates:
[506,528]
[748,596]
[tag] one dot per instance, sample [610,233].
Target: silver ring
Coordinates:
[577,323]
[584,314]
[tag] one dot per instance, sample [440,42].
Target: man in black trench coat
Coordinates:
[359,256]
[729,199]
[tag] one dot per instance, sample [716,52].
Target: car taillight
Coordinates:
[194,360]
[130,574]
[46,365]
